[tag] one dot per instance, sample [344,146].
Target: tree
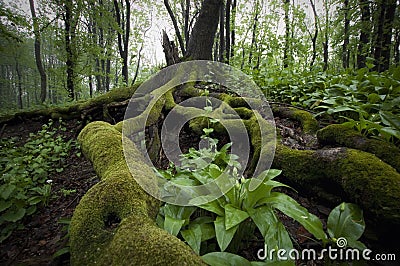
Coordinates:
[346,40]
[365,32]
[201,40]
[123,21]
[286,49]
[38,56]
[383,30]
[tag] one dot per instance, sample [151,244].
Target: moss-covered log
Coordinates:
[340,135]
[114,222]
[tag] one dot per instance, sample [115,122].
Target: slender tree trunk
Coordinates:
[365,32]
[202,38]
[175,23]
[254,37]
[315,36]
[19,84]
[396,47]
[38,57]
[346,40]
[228,31]
[186,26]
[221,33]
[286,49]
[90,86]
[123,38]
[325,44]
[233,32]
[70,62]
[390,12]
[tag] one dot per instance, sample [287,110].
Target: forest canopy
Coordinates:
[56,51]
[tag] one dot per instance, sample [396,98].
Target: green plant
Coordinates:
[67,192]
[66,249]
[25,171]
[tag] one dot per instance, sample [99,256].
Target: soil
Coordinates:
[44,235]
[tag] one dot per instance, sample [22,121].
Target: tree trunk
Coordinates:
[390,12]
[221,34]
[396,47]
[123,38]
[69,36]
[286,49]
[345,52]
[253,38]
[175,23]
[170,50]
[325,44]
[38,57]
[19,84]
[365,32]
[228,31]
[233,33]
[202,38]
[315,36]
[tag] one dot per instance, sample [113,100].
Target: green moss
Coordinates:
[308,123]
[169,100]
[349,174]
[345,136]
[136,238]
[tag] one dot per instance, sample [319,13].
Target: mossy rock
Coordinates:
[344,136]
[134,239]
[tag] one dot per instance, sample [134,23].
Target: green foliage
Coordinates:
[364,100]
[346,220]
[25,174]
[228,219]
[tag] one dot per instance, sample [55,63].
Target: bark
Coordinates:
[390,12]
[123,38]
[253,38]
[38,57]
[19,84]
[345,51]
[365,33]
[221,34]
[175,23]
[170,50]
[202,38]
[69,35]
[325,44]
[397,47]
[233,33]
[228,31]
[315,36]
[286,49]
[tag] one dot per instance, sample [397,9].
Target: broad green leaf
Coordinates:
[391,131]
[224,259]
[264,218]
[346,220]
[173,225]
[234,216]
[14,215]
[212,206]
[224,237]
[291,208]
[4,205]
[193,237]
[390,119]
[7,190]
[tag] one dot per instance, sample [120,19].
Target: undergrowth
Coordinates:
[25,174]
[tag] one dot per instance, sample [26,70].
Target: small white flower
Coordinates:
[49,181]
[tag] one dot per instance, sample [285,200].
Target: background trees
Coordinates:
[52,51]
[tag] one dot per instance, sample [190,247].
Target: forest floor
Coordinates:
[44,235]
